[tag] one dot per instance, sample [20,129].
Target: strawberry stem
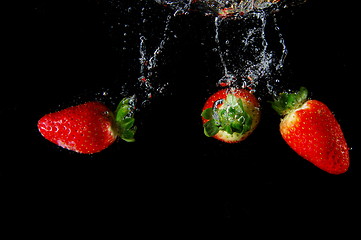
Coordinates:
[230,117]
[287,102]
[124,118]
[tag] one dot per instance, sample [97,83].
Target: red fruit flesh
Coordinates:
[314,133]
[86,128]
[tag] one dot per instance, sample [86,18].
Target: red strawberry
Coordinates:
[310,129]
[88,128]
[230,115]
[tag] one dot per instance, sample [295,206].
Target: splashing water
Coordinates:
[149,61]
[240,29]
[248,41]
[222,8]
[180,6]
[142,28]
[245,54]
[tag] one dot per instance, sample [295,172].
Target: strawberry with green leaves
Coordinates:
[90,127]
[310,129]
[230,115]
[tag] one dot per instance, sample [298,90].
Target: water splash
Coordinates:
[237,8]
[221,8]
[141,31]
[180,6]
[149,59]
[246,57]
[248,41]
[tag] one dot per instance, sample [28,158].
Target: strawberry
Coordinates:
[310,129]
[90,127]
[230,115]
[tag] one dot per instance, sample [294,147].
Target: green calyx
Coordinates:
[286,102]
[230,117]
[124,118]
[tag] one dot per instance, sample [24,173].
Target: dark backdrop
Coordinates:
[61,53]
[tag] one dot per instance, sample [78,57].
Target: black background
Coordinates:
[61,53]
